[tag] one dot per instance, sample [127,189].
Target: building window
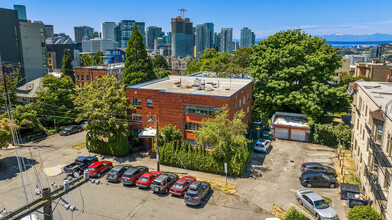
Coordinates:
[247,110]
[192,126]
[77,77]
[201,110]
[239,104]
[360,103]
[82,77]
[87,78]
[379,133]
[243,100]
[136,102]
[149,102]
[150,118]
[136,117]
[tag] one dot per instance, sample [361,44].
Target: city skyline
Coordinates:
[264,18]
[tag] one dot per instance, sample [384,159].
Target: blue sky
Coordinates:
[263,17]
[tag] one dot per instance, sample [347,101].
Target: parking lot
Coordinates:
[273,178]
[270,179]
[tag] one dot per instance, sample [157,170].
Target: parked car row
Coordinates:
[194,192]
[316,174]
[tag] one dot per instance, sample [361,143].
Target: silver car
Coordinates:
[316,205]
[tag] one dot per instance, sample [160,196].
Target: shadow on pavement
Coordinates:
[204,202]
[254,168]
[11,166]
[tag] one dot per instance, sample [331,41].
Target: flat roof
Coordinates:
[290,119]
[380,93]
[196,85]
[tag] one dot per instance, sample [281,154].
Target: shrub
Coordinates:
[363,213]
[329,135]
[117,147]
[293,214]
[180,154]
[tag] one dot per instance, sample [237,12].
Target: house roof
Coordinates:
[381,95]
[30,89]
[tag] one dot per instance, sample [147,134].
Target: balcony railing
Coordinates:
[375,186]
[379,155]
[368,129]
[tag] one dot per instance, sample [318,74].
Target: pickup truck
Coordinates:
[81,163]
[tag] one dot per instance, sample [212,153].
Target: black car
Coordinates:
[318,179]
[196,193]
[318,168]
[116,172]
[71,130]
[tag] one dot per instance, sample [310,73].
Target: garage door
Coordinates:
[282,133]
[298,135]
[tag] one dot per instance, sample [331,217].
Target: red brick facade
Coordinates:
[86,75]
[170,107]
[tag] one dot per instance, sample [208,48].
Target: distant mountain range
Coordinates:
[351,38]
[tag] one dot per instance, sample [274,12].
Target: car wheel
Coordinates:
[318,217]
[166,191]
[300,201]
[76,174]
[332,185]
[309,185]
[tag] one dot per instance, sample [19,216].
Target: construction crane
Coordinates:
[182,12]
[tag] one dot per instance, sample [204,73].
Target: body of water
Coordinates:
[355,44]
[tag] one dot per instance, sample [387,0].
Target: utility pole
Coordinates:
[13,140]
[157,140]
[46,196]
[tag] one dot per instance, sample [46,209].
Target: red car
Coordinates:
[147,178]
[99,167]
[181,186]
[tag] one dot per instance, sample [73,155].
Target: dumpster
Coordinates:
[354,199]
[348,188]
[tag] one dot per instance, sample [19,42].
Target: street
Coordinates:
[270,179]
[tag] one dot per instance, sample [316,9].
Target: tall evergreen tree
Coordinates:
[67,68]
[138,67]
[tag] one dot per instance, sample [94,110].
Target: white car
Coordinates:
[262,145]
[316,205]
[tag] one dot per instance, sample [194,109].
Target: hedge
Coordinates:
[197,158]
[293,214]
[119,147]
[363,213]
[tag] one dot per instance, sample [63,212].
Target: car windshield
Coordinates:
[156,183]
[321,204]
[143,178]
[190,194]
[68,128]
[179,185]
[127,175]
[113,172]
[91,168]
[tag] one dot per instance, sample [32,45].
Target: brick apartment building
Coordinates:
[86,74]
[184,101]
[372,70]
[372,142]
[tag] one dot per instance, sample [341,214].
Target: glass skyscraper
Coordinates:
[21,11]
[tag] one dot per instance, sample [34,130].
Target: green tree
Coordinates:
[105,106]
[227,137]
[240,62]
[138,67]
[293,214]
[26,118]
[12,79]
[67,68]
[363,213]
[169,133]
[345,78]
[212,61]
[97,58]
[159,62]
[5,132]
[292,71]
[87,60]
[55,101]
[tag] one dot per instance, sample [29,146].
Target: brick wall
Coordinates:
[86,75]
[170,107]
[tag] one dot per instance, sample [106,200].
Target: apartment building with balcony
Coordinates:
[372,141]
